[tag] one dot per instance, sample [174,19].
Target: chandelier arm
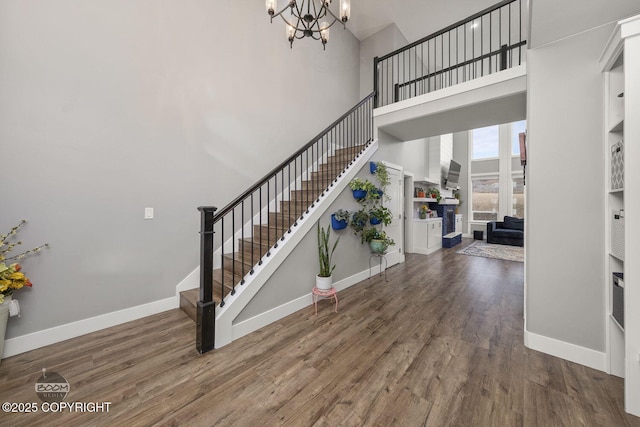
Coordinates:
[280,13]
[297,25]
[344,24]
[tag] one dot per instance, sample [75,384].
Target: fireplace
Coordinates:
[448,215]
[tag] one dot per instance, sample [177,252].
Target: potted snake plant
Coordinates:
[324,280]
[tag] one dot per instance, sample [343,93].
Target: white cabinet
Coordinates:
[427,235]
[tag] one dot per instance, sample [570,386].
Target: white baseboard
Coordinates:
[56,334]
[245,327]
[564,350]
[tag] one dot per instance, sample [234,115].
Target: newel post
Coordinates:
[206,315]
[504,51]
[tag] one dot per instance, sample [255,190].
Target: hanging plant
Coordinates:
[340,219]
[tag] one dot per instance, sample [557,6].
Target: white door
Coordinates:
[394,203]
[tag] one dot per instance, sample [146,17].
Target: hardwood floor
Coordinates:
[440,344]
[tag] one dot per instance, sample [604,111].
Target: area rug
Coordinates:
[489,250]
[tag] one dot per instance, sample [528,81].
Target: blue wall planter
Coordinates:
[338,224]
[359,194]
[375,221]
[373,167]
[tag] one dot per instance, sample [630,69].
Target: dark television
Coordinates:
[453,177]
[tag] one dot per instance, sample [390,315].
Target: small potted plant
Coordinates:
[361,188]
[423,211]
[359,220]
[340,219]
[324,280]
[435,194]
[380,214]
[378,240]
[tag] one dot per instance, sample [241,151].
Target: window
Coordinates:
[517,205]
[485,198]
[485,143]
[516,129]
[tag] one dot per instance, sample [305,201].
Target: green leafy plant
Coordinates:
[382,175]
[381,213]
[324,254]
[434,193]
[362,184]
[375,234]
[359,221]
[342,215]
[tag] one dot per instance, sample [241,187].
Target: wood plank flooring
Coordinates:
[440,344]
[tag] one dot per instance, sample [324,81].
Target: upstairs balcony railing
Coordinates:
[489,41]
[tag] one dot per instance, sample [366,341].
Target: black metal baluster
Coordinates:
[309,181]
[253,234]
[269,218]
[281,205]
[233,252]
[222,262]
[519,32]
[243,242]
[285,224]
[261,224]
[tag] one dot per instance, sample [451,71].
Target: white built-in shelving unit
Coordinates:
[621,70]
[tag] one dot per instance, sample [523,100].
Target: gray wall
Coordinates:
[109,107]
[384,41]
[565,179]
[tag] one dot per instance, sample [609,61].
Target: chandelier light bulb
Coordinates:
[324,32]
[271,6]
[345,10]
[291,32]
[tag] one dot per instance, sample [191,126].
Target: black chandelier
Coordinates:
[309,18]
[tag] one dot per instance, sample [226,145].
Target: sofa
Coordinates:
[510,231]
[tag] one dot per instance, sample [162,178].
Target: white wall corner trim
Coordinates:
[564,350]
[56,334]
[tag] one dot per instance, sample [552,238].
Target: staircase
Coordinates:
[251,250]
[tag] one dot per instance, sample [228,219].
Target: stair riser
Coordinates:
[305,195]
[260,232]
[294,208]
[228,265]
[351,151]
[337,167]
[256,251]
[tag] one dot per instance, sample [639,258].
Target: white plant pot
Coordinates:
[324,283]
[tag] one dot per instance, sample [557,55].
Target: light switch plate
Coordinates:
[148,213]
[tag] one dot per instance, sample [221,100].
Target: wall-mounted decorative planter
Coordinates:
[359,194]
[373,167]
[337,224]
[374,220]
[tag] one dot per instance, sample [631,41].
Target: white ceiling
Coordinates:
[414,18]
[551,20]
